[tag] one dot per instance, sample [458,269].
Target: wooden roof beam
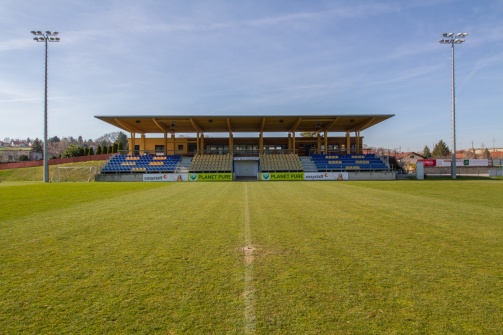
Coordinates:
[331,124]
[229,125]
[295,125]
[196,126]
[262,126]
[164,130]
[129,127]
[359,127]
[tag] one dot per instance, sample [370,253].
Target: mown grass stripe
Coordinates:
[249,294]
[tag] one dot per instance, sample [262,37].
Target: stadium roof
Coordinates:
[246,123]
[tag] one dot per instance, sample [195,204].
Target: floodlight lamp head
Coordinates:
[55,33]
[39,32]
[444,34]
[48,32]
[450,34]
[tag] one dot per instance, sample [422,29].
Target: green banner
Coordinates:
[210,176]
[282,176]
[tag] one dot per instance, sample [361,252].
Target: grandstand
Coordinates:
[277,162]
[211,163]
[367,162]
[144,164]
[219,163]
[319,148]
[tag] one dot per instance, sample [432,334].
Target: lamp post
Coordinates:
[45,37]
[451,38]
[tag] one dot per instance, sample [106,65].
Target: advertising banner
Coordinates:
[159,177]
[210,177]
[429,162]
[447,162]
[326,176]
[476,162]
[463,162]
[282,176]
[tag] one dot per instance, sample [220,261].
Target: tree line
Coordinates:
[441,150]
[73,147]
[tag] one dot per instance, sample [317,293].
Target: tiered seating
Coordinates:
[280,162]
[359,162]
[211,163]
[142,164]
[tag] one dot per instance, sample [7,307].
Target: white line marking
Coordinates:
[249,292]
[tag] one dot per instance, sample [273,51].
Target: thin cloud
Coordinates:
[407,76]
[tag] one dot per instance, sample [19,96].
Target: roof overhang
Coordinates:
[243,124]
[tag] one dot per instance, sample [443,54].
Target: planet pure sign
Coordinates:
[210,177]
[267,176]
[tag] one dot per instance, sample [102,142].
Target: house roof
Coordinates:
[401,155]
[245,123]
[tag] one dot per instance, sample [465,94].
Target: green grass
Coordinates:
[37,173]
[408,257]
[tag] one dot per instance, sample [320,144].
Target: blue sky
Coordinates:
[155,57]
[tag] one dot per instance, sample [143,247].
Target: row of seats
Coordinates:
[355,162]
[223,163]
[280,162]
[143,163]
[211,163]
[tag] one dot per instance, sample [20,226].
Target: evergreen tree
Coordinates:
[91,151]
[109,149]
[121,146]
[37,146]
[121,139]
[426,152]
[115,147]
[486,154]
[441,150]
[98,150]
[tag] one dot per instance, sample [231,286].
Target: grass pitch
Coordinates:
[410,257]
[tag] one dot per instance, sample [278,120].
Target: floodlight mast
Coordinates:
[46,37]
[451,38]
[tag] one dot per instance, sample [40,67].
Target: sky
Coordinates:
[260,57]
